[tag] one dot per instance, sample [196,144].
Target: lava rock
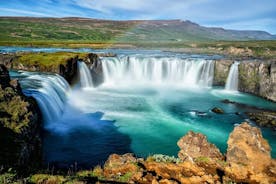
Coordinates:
[217,110]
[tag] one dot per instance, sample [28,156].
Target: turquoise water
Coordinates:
[155,118]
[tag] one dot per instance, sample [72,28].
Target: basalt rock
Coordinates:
[221,70]
[217,110]
[96,69]
[70,70]
[20,135]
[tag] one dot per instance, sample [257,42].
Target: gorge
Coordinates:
[141,102]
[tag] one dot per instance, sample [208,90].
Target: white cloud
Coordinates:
[25,12]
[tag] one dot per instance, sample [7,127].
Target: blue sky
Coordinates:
[230,14]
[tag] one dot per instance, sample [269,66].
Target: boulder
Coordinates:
[217,110]
[248,156]
[195,145]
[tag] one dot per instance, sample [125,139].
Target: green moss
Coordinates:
[46,60]
[202,159]
[126,177]
[163,158]
[45,178]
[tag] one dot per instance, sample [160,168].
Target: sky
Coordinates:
[229,14]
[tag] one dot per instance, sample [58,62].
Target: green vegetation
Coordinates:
[46,60]
[202,159]
[163,158]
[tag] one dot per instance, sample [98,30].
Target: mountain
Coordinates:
[95,30]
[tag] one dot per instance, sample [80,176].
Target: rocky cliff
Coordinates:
[63,63]
[20,131]
[255,77]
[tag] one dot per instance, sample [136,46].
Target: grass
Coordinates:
[46,60]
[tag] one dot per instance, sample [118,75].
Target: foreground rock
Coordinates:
[248,156]
[20,135]
[195,146]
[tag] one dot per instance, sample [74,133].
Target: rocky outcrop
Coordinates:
[221,71]
[217,110]
[248,157]
[66,66]
[258,78]
[95,65]
[195,145]
[20,135]
[70,70]
[255,77]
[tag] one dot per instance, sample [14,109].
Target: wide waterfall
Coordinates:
[233,78]
[130,70]
[50,93]
[85,75]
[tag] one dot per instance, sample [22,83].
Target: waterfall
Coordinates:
[233,78]
[50,93]
[85,75]
[131,70]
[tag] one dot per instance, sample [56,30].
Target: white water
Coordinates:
[85,75]
[135,70]
[50,96]
[233,78]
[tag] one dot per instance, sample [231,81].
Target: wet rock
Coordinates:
[248,156]
[20,133]
[263,118]
[195,145]
[217,110]
[221,70]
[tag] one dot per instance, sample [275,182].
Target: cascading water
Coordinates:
[233,78]
[50,93]
[85,75]
[158,70]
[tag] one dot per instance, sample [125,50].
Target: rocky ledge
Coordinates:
[247,160]
[20,132]
[257,77]
[63,63]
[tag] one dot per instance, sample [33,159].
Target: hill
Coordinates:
[94,30]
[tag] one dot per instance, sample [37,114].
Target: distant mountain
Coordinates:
[85,29]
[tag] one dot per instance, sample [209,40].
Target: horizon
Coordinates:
[248,15]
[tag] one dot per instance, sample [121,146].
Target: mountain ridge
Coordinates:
[79,28]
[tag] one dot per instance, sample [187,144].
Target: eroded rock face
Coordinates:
[221,70]
[20,133]
[248,156]
[96,68]
[195,145]
[258,78]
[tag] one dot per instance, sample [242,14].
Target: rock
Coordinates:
[121,166]
[195,145]
[221,70]
[96,68]
[70,70]
[20,133]
[258,78]
[4,76]
[248,156]
[263,118]
[217,110]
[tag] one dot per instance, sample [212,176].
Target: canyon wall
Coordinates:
[255,76]
[20,127]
